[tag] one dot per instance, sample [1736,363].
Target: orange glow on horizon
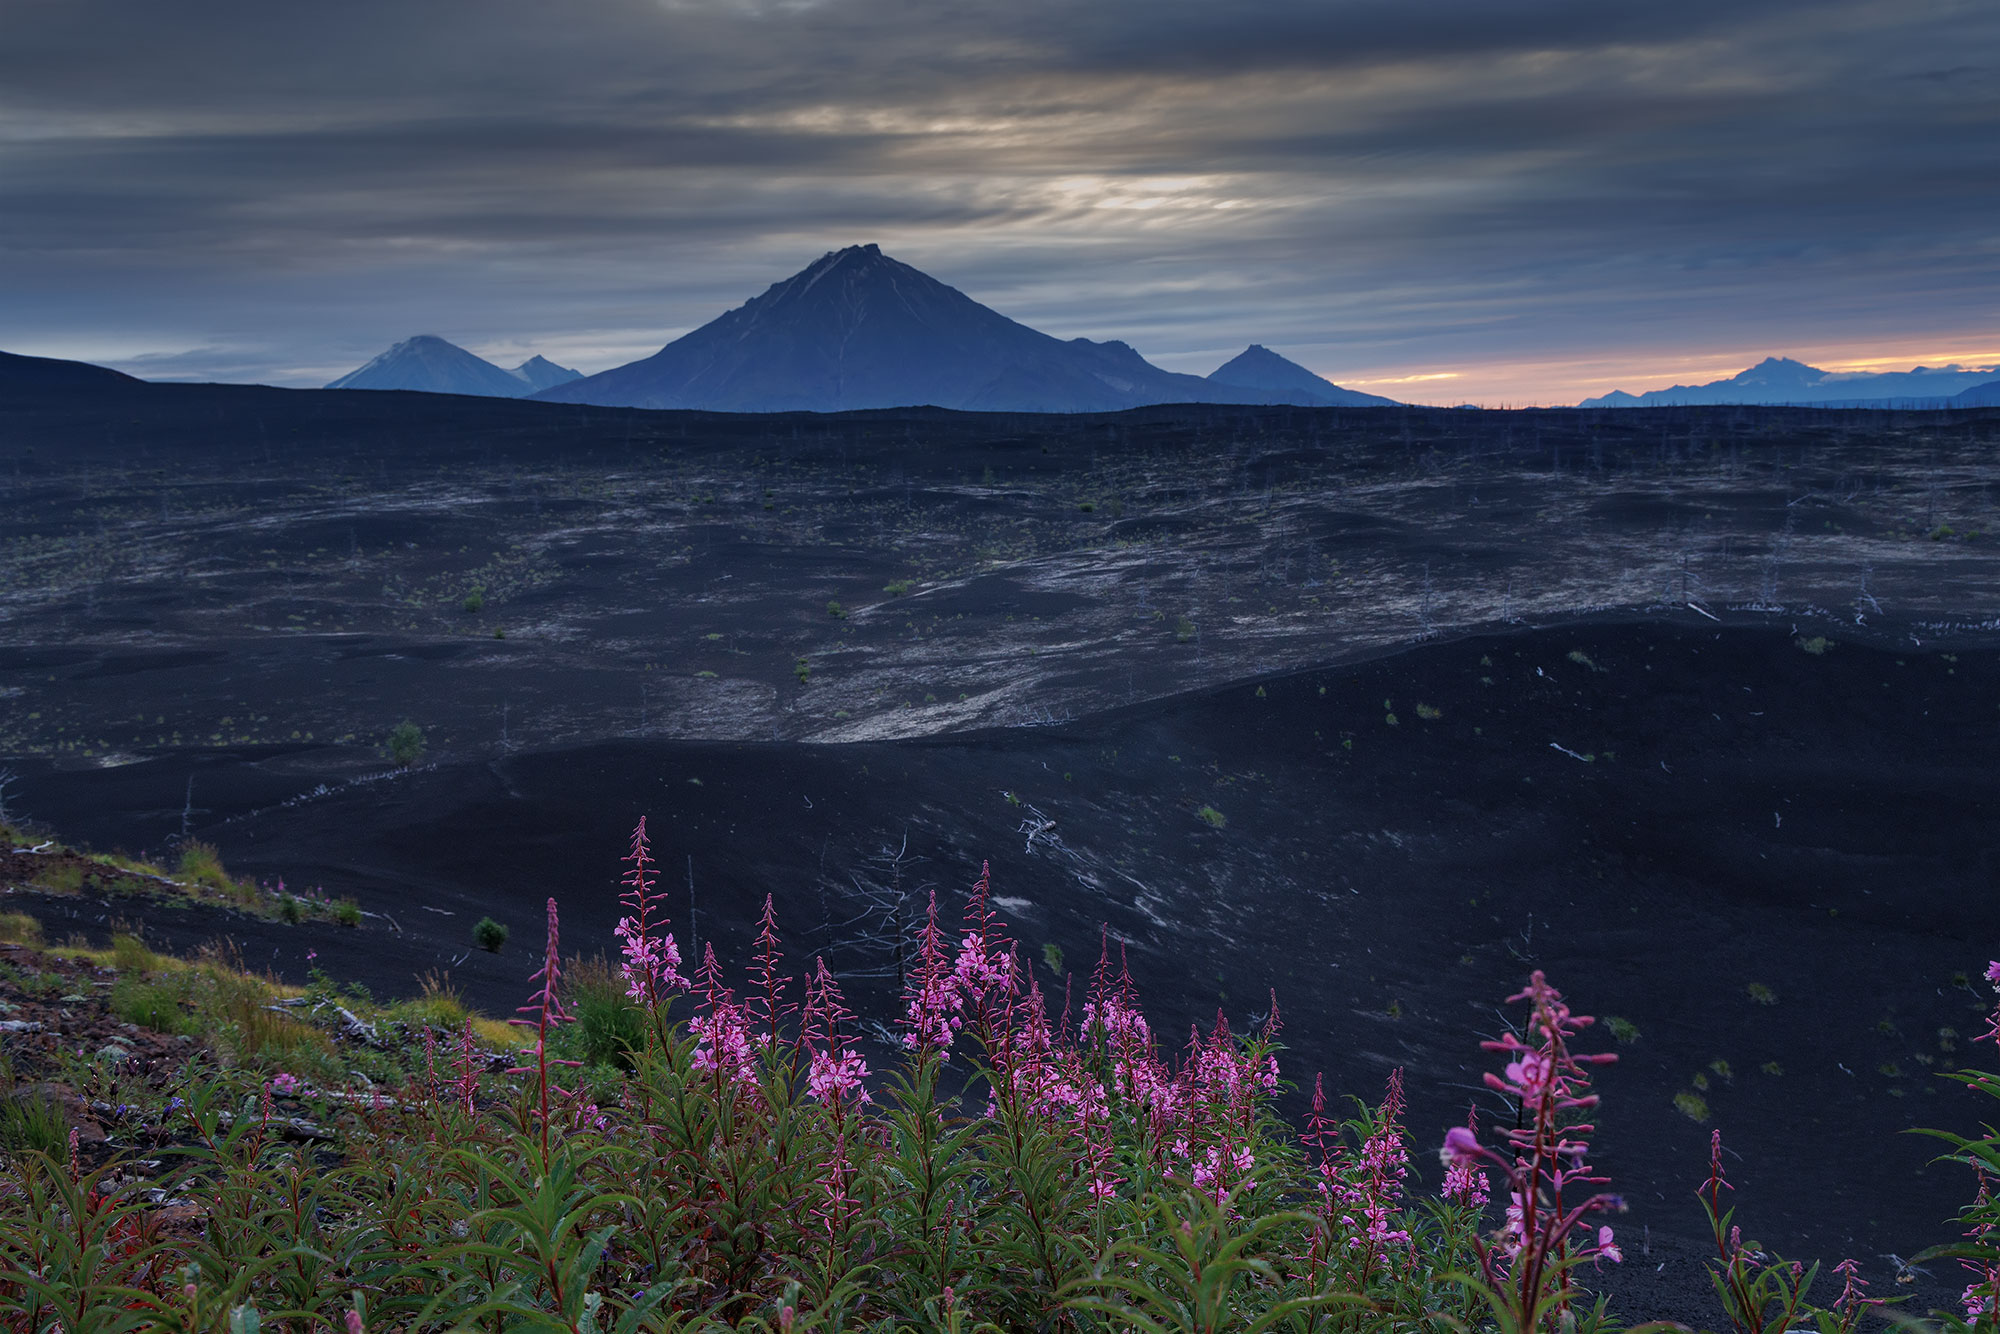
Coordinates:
[1561,381]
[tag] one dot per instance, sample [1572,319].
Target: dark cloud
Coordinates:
[277,191]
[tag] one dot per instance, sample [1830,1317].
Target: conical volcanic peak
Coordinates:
[1258,367]
[431,365]
[538,372]
[859,329]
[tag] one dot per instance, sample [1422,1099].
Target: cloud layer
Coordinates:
[1531,198]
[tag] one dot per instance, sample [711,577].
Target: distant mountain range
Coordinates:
[431,365]
[1780,380]
[857,329]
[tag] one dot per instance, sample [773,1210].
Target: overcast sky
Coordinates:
[1499,201]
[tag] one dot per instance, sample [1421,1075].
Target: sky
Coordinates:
[1494,201]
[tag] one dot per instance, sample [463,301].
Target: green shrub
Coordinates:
[347,912]
[489,935]
[475,601]
[835,610]
[202,864]
[609,1025]
[62,877]
[130,955]
[154,1005]
[439,1005]
[1210,816]
[405,743]
[896,588]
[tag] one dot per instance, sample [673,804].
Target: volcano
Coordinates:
[431,365]
[1260,369]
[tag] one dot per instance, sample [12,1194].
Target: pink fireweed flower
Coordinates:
[835,1071]
[835,1078]
[284,1085]
[1607,1247]
[935,1006]
[983,970]
[1464,1177]
[1853,1299]
[652,959]
[1544,1156]
[1046,1081]
[723,1046]
[1461,1145]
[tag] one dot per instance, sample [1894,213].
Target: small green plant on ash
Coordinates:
[405,744]
[1183,629]
[489,935]
[1623,1031]
[1761,994]
[1211,817]
[1817,645]
[896,588]
[475,601]
[835,610]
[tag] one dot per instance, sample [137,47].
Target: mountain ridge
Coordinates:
[1786,382]
[859,329]
[429,364]
[20,373]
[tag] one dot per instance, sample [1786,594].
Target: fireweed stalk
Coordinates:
[546,1009]
[1526,1266]
[1360,1191]
[652,958]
